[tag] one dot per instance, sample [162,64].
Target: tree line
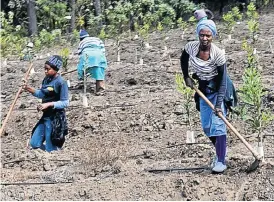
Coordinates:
[67,15]
[44,22]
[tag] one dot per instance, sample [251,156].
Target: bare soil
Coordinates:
[120,135]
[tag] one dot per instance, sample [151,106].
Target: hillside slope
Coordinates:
[111,143]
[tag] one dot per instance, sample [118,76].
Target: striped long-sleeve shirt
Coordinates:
[205,70]
[213,68]
[91,42]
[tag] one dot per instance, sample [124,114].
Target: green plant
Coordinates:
[74,37]
[182,7]
[65,55]
[231,17]
[51,14]
[187,94]
[119,23]
[182,24]
[253,23]
[257,116]
[103,35]
[11,41]
[143,32]
[251,12]
[192,20]
[251,56]
[160,27]
[253,27]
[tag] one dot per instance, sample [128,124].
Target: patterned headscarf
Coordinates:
[55,62]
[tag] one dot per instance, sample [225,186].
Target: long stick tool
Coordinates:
[14,101]
[257,156]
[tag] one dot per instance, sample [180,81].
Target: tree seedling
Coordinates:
[230,19]
[257,116]
[183,25]
[85,99]
[188,105]
[143,33]
[65,56]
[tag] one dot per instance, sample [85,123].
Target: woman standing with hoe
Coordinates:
[209,66]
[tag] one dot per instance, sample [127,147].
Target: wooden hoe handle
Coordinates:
[254,152]
[14,101]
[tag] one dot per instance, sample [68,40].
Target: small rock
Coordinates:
[87,125]
[92,174]
[5,132]
[200,155]
[157,135]
[47,167]
[82,193]
[74,98]
[118,167]
[149,153]
[148,128]
[106,168]
[76,131]
[139,161]
[11,70]
[196,182]
[22,106]
[270,97]
[11,77]
[152,90]
[24,70]
[184,194]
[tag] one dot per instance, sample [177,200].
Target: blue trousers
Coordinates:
[43,133]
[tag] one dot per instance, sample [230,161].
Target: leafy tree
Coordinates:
[51,14]
[11,41]
[231,18]
[119,22]
[183,8]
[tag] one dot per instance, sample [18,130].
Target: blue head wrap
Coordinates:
[206,24]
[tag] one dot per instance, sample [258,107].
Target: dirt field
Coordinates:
[120,135]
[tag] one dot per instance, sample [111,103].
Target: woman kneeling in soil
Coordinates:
[209,66]
[93,59]
[52,127]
